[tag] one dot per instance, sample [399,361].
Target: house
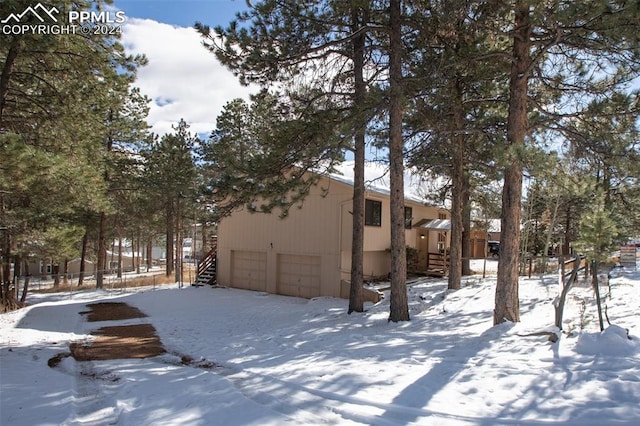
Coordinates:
[44,269]
[308,253]
[482,232]
[130,261]
[73,267]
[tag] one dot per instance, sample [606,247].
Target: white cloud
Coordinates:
[183,79]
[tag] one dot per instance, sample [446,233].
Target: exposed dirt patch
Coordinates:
[120,342]
[123,342]
[112,311]
[115,342]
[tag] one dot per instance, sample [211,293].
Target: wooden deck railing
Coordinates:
[437,262]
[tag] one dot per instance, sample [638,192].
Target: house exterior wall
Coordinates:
[310,231]
[129,262]
[73,267]
[311,246]
[377,239]
[35,267]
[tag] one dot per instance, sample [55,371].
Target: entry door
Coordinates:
[423,249]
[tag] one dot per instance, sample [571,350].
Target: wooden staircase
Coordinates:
[206,272]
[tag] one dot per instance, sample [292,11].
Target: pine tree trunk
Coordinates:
[65,271]
[83,256]
[27,280]
[120,265]
[5,77]
[169,239]
[149,255]
[137,250]
[6,251]
[102,251]
[55,271]
[17,271]
[507,305]
[9,302]
[596,288]
[466,226]
[356,296]
[111,261]
[399,305]
[178,267]
[457,176]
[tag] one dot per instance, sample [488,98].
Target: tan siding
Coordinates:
[346,224]
[377,238]
[376,264]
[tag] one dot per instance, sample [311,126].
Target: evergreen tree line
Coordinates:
[542,93]
[80,172]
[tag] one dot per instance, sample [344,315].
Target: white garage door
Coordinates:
[249,270]
[299,275]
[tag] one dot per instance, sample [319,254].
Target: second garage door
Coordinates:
[299,275]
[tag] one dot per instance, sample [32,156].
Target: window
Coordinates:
[408,217]
[442,240]
[442,215]
[372,213]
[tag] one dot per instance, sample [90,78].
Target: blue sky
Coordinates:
[183,80]
[183,12]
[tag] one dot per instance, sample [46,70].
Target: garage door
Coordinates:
[249,270]
[299,275]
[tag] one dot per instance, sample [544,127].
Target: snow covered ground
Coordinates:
[284,360]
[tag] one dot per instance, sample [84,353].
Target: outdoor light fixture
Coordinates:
[422,236]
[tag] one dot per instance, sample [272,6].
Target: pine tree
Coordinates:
[324,45]
[171,177]
[260,154]
[455,119]
[55,91]
[124,132]
[399,306]
[558,53]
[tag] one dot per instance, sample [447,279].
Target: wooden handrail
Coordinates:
[207,260]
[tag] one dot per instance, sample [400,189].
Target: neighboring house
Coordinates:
[73,267]
[129,261]
[481,233]
[308,254]
[39,268]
